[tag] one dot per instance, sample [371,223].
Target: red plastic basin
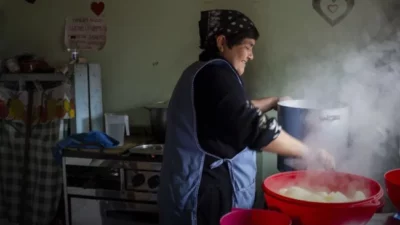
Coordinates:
[315,213]
[392,182]
[255,217]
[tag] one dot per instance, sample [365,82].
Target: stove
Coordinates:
[112,187]
[143,176]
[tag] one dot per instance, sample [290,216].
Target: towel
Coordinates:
[91,140]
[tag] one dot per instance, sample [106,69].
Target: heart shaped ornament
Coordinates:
[333,11]
[97,8]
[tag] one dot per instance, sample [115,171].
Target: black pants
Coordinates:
[214,197]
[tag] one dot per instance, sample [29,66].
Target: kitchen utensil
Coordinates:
[158,120]
[316,213]
[319,125]
[392,183]
[254,217]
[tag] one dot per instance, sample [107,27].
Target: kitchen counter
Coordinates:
[384,219]
[129,143]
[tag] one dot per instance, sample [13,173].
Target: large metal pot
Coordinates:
[318,125]
[158,120]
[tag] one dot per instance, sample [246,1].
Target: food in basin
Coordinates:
[337,198]
[305,194]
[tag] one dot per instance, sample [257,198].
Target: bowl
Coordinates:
[392,183]
[317,213]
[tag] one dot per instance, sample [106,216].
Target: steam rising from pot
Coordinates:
[368,81]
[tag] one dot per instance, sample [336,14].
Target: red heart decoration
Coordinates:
[97,7]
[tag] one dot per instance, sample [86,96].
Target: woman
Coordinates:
[214,131]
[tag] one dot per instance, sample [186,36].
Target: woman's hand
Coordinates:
[268,103]
[280,99]
[319,157]
[284,98]
[304,157]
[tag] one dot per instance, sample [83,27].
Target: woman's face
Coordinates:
[239,54]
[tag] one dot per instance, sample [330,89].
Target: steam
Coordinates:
[368,81]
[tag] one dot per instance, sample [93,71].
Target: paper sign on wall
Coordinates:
[85,33]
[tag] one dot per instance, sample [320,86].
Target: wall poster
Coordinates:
[85,33]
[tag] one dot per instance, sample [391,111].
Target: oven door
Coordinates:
[86,211]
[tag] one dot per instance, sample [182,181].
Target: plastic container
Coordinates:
[392,183]
[116,126]
[315,213]
[255,217]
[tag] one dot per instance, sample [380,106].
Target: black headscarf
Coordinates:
[220,21]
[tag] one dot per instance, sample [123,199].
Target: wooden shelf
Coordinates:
[32,77]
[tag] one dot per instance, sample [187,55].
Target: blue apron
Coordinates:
[183,158]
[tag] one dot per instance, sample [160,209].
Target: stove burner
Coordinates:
[138,180]
[153,181]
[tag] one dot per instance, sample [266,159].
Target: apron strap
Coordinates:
[219,162]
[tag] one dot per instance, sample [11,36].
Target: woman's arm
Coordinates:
[265,104]
[268,103]
[287,145]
